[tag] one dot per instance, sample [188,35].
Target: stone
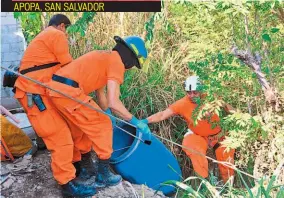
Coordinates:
[8,20]
[17,47]
[11,56]
[4,29]
[9,182]
[5,47]
[8,64]
[11,38]
[13,28]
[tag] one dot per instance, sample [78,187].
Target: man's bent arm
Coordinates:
[61,49]
[114,102]
[160,116]
[101,97]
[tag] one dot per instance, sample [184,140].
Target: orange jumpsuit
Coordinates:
[51,45]
[199,140]
[91,72]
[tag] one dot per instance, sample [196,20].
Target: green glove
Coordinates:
[140,125]
[145,121]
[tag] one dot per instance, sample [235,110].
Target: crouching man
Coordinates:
[198,137]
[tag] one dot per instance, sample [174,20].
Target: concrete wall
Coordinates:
[13,46]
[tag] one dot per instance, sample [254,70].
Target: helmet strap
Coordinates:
[128,58]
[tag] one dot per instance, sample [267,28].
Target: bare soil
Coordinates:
[40,183]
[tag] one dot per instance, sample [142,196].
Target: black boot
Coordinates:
[40,143]
[105,177]
[81,172]
[75,188]
[88,166]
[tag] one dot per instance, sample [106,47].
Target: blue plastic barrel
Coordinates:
[140,163]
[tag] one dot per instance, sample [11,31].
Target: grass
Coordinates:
[148,91]
[179,36]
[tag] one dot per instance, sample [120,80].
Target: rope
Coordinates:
[67,96]
[227,164]
[122,148]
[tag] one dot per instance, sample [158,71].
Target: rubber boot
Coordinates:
[76,188]
[105,177]
[77,167]
[81,172]
[40,143]
[88,166]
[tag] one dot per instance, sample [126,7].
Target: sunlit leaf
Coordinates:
[274,30]
[266,37]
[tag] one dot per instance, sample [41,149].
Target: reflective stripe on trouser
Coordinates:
[54,131]
[96,126]
[221,155]
[198,144]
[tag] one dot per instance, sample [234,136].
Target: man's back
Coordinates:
[49,46]
[185,108]
[93,69]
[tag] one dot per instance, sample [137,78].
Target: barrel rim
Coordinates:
[129,151]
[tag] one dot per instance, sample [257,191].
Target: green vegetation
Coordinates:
[238,51]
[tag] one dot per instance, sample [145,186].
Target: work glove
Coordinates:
[10,78]
[145,121]
[142,126]
[113,120]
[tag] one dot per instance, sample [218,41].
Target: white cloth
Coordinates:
[188,132]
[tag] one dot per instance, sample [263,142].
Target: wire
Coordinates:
[227,164]
[67,96]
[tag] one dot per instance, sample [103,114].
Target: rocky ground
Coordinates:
[37,181]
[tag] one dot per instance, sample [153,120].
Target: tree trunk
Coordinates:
[254,64]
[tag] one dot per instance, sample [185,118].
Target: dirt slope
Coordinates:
[40,183]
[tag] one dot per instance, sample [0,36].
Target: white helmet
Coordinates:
[191,83]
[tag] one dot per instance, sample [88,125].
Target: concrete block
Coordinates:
[5,96]
[20,56]
[5,48]
[13,28]
[10,102]
[12,38]
[16,63]
[7,64]
[17,47]
[9,19]
[4,29]
[11,56]
[8,38]
[4,14]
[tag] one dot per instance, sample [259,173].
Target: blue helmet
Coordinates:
[137,46]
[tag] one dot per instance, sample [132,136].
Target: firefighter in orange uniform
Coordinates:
[199,136]
[48,52]
[93,72]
